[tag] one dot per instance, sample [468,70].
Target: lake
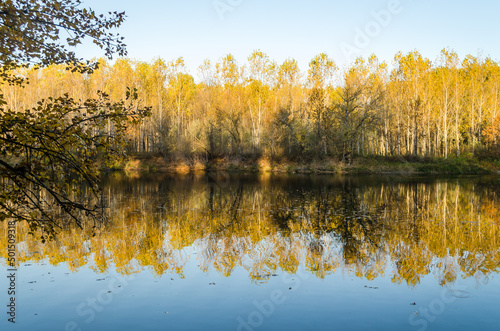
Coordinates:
[268,252]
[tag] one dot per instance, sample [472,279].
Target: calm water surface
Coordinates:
[269,252]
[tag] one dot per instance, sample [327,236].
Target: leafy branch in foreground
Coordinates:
[30,33]
[49,154]
[49,151]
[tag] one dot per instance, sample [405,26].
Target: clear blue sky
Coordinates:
[195,29]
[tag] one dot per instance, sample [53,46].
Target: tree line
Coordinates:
[413,106]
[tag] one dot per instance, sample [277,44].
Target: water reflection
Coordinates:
[367,227]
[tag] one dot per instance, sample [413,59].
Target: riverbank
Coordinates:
[359,165]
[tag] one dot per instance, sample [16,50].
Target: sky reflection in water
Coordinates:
[268,253]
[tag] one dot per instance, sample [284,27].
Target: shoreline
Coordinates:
[380,165]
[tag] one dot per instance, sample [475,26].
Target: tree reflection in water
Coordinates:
[364,226]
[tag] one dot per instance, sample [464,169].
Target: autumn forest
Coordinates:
[148,181]
[412,106]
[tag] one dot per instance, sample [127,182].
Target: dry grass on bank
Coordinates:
[259,164]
